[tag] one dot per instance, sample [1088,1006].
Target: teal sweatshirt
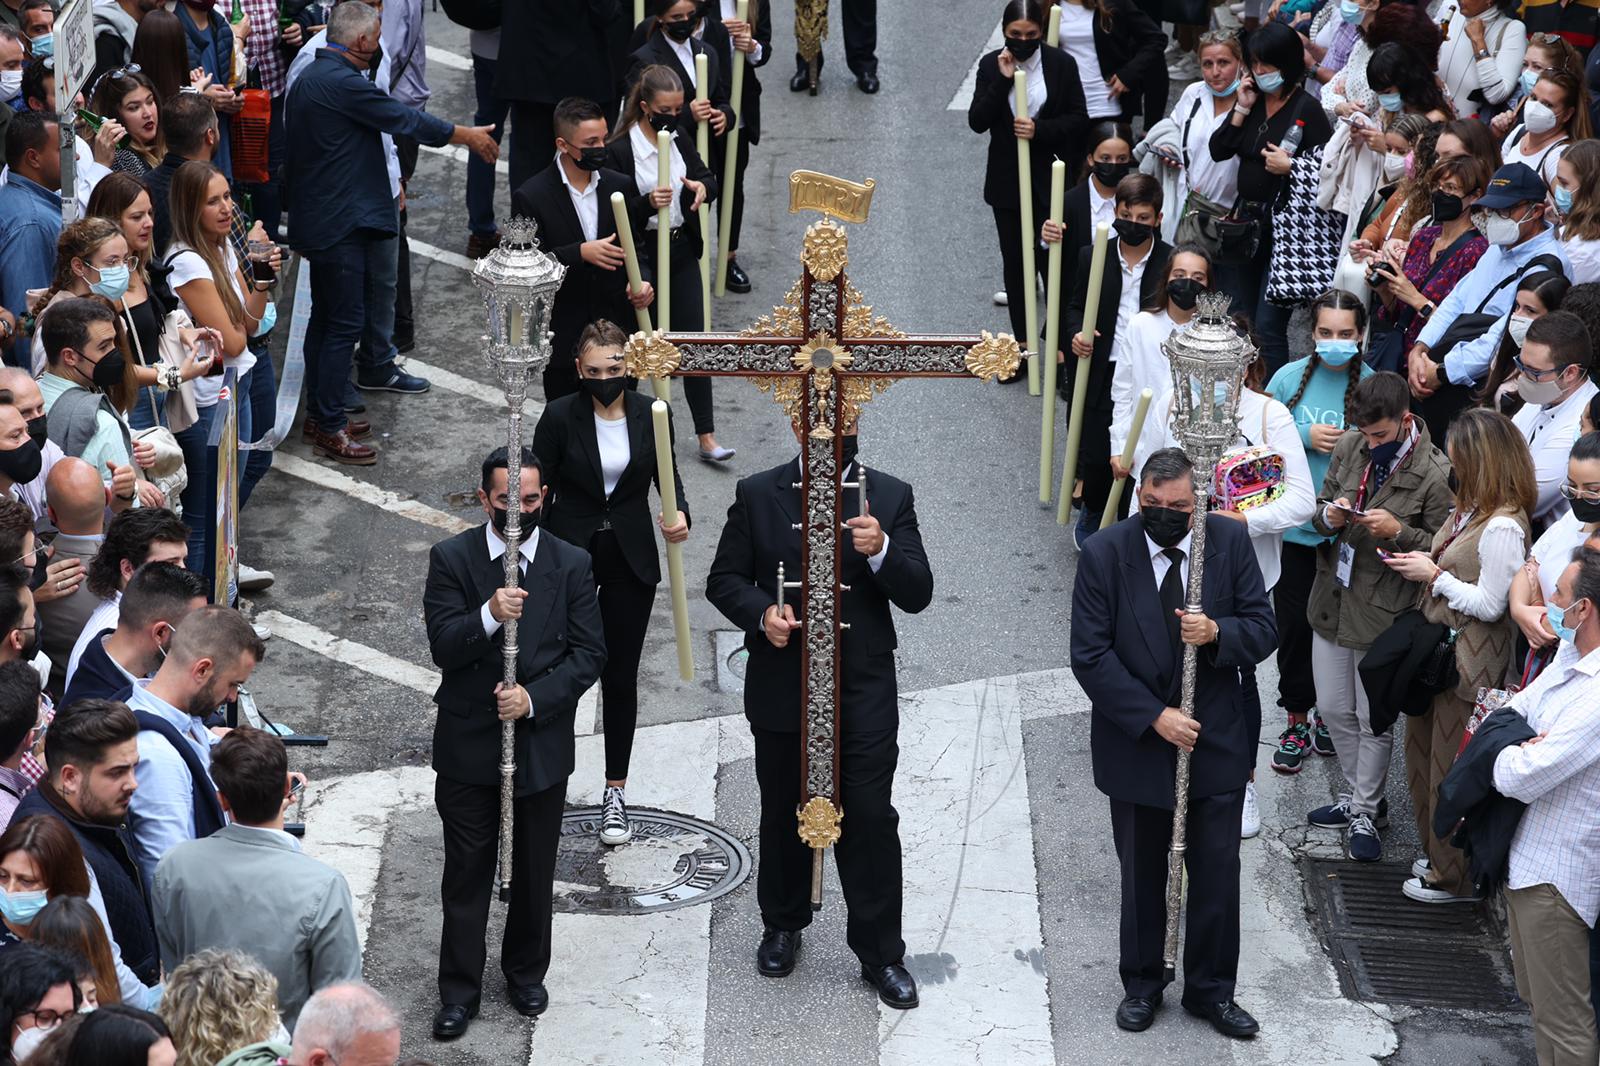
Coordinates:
[1323,403]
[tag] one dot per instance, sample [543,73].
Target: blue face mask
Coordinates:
[1229,91]
[20,908]
[1390,101]
[1563,199]
[1529,79]
[113,283]
[1350,11]
[44,46]
[1334,353]
[269,318]
[1269,82]
[1558,616]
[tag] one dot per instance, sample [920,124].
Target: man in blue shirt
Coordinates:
[30,208]
[1511,215]
[340,207]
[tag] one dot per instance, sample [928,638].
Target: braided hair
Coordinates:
[79,240]
[1333,300]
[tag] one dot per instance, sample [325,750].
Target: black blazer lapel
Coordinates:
[788,496]
[1139,583]
[583,432]
[540,581]
[640,445]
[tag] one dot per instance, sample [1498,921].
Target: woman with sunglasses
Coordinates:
[130,98]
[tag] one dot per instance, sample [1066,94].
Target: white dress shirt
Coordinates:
[1216,181]
[645,171]
[1550,430]
[586,202]
[685,54]
[497,548]
[1558,840]
[1160,564]
[1141,364]
[1128,301]
[1038,92]
[1101,208]
[105,617]
[612,436]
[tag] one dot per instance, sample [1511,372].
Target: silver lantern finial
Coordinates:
[1209,357]
[519,285]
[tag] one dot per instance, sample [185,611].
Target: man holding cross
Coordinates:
[883,563]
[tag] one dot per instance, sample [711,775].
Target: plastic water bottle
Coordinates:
[1292,139]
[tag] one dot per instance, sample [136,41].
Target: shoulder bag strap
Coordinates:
[1183,143]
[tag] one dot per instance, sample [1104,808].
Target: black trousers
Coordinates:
[860,19]
[868,853]
[1297,689]
[1094,464]
[688,316]
[1211,936]
[405,329]
[719,160]
[533,139]
[625,604]
[471,816]
[1008,227]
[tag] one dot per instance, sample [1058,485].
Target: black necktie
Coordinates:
[1172,594]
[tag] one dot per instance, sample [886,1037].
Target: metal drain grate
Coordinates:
[1389,949]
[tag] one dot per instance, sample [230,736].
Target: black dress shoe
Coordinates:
[1227,1018]
[894,983]
[1136,1013]
[775,957]
[529,1000]
[867,83]
[802,81]
[738,280]
[451,1020]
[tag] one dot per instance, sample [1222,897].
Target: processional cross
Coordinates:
[822,354]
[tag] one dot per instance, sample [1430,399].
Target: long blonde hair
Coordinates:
[653,81]
[188,200]
[1494,470]
[217,1002]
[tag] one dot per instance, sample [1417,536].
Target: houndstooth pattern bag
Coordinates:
[1306,240]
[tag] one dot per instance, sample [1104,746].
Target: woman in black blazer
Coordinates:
[656,104]
[1121,56]
[1108,160]
[599,454]
[1054,126]
[674,27]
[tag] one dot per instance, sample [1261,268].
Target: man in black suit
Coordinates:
[1136,263]
[1128,632]
[571,202]
[882,564]
[860,19]
[560,653]
[550,50]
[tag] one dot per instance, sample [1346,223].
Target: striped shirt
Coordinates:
[1558,840]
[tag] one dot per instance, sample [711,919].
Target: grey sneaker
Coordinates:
[614,826]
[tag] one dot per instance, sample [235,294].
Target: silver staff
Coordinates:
[1208,363]
[519,283]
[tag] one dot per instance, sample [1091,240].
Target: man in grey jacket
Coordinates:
[303,930]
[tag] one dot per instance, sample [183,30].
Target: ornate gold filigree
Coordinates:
[994,356]
[784,320]
[858,392]
[786,391]
[859,321]
[826,251]
[848,201]
[821,355]
[819,822]
[810,27]
[650,355]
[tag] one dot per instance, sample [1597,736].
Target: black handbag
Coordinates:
[1236,236]
[1437,671]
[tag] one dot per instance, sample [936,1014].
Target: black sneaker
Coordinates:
[1294,744]
[1321,742]
[1365,845]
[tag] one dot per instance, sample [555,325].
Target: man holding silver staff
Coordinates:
[561,649]
[1128,631]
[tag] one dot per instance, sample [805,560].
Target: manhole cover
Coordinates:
[672,861]
[1390,949]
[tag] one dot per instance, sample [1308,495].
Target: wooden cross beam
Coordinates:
[822,354]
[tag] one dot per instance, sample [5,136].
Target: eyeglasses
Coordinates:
[46,1019]
[1211,37]
[1572,492]
[120,72]
[1535,375]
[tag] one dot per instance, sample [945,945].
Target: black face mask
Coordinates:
[530,521]
[1023,50]
[590,159]
[1586,511]
[663,123]
[605,390]
[847,452]
[1164,525]
[1111,173]
[1453,483]
[22,463]
[1133,233]
[38,430]
[679,31]
[108,371]
[1447,207]
[1183,292]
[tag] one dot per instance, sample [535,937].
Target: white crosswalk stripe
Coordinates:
[963,97]
[446,58]
[459,153]
[439,255]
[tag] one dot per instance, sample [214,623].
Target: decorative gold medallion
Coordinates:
[650,355]
[826,251]
[819,823]
[822,356]
[994,356]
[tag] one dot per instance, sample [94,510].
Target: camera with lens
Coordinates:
[1379,273]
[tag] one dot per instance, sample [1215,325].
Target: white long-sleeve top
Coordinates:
[1463,73]
[134,992]
[1501,551]
[1143,365]
[1270,521]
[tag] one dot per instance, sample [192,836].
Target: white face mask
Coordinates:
[1497,228]
[10,84]
[1537,117]
[1543,392]
[1517,330]
[1394,166]
[27,1042]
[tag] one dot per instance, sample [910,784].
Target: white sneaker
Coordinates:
[1420,868]
[1001,299]
[1184,68]
[614,826]
[1250,824]
[253,580]
[262,632]
[1418,889]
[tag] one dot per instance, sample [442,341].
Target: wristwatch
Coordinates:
[1483,53]
[1439,375]
[8,329]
